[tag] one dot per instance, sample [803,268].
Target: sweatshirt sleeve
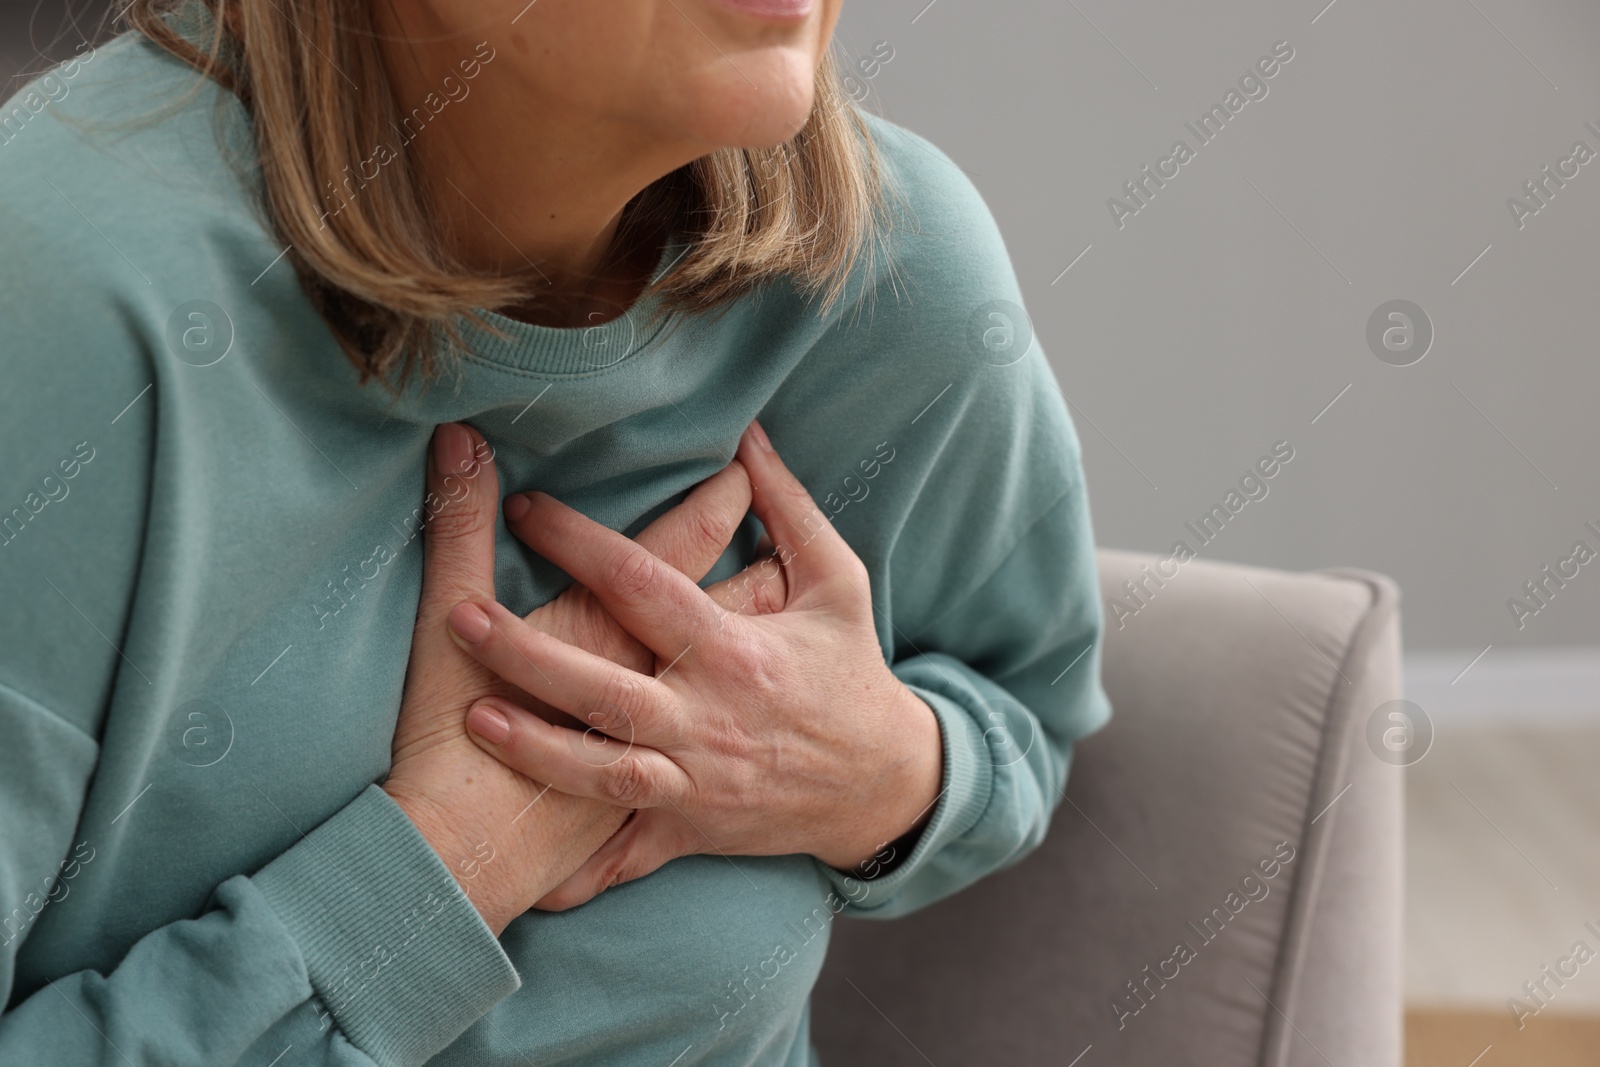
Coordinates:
[985,576]
[1011,670]
[353,947]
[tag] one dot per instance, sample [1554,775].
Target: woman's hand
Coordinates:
[691,537]
[505,838]
[763,734]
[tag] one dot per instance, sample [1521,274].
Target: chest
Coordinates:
[265,659]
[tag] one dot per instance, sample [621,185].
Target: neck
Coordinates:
[524,186]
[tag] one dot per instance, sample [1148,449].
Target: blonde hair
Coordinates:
[377,269]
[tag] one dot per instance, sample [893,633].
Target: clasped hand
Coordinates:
[770,729]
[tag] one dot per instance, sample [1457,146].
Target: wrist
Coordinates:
[923,777]
[467,855]
[908,790]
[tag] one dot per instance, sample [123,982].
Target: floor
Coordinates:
[1491,1039]
[1503,881]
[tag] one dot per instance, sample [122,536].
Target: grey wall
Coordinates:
[34,31]
[1233,307]
[1228,312]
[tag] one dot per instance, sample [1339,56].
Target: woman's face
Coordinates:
[712,73]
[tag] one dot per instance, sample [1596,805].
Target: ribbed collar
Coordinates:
[560,351]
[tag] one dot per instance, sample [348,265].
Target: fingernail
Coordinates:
[517,505]
[468,622]
[452,448]
[488,724]
[759,436]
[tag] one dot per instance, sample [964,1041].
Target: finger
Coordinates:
[606,697]
[808,546]
[639,847]
[458,514]
[582,763]
[695,533]
[760,589]
[654,602]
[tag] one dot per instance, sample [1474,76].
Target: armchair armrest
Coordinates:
[1232,807]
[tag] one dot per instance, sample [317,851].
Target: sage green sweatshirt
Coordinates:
[210,560]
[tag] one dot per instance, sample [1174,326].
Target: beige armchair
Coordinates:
[1221,886]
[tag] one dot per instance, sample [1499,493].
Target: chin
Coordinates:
[764,103]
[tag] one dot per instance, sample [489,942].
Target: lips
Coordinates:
[771,9]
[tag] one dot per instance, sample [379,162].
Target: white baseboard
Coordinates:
[1507,685]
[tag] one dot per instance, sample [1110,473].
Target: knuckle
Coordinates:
[618,703]
[855,571]
[711,529]
[627,783]
[847,577]
[747,659]
[454,519]
[813,526]
[801,500]
[633,573]
[738,652]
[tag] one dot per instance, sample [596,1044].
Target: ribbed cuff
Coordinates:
[964,794]
[398,954]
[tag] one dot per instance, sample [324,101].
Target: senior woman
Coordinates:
[318,750]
